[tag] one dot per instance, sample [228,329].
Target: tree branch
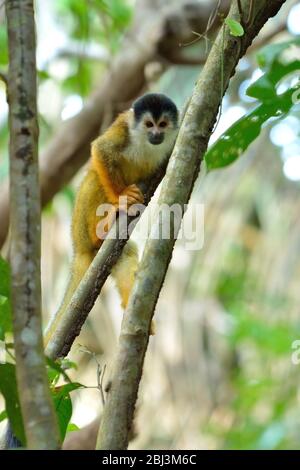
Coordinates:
[182,170]
[60,336]
[40,424]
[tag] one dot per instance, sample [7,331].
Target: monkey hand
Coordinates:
[129,196]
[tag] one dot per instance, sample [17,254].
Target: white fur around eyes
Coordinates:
[142,150]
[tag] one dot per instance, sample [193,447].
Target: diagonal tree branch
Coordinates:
[40,424]
[182,170]
[60,336]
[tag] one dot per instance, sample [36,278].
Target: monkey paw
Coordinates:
[129,196]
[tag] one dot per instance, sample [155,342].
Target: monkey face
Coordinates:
[155,130]
[157,118]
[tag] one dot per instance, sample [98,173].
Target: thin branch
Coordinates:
[183,167]
[101,55]
[100,373]
[240,9]
[250,14]
[213,16]
[210,23]
[100,385]
[40,424]
[198,38]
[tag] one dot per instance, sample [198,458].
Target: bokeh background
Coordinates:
[220,371]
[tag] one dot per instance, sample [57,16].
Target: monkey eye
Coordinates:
[163,124]
[149,124]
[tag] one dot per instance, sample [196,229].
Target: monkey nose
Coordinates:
[156,138]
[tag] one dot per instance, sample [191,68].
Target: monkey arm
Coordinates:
[110,180]
[110,177]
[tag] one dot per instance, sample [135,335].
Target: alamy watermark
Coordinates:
[161,222]
[295,358]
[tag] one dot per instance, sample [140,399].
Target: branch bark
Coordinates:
[158,29]
[182,170]
[36,403]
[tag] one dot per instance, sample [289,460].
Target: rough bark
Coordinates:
[183,167]
[36,403]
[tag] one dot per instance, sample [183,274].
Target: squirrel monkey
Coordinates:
[130,151]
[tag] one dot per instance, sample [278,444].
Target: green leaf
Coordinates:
[5,307]
[67,388]
[233,143]
[5,320]
[263,89]
[4,278]
[3,46]
[236,29]
[80,81]
[55,370]
[63,405]
[268,54]
[8,388]
[72,427]
[43,75]
[3,415]
[67,364]
[120,12]
[238,137]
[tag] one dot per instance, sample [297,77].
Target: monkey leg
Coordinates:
[80,264]
[124,274]
[124,271]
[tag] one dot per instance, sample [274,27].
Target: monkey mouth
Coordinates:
[156,139]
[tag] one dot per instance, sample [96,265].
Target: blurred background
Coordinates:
[219,373]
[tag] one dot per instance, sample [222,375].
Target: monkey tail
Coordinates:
[124,273]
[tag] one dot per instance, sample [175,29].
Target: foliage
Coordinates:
[236,29]
[63,406]
[233,143]
[61,397]
[8,388]
[268,341]
[5,307]
[8,384]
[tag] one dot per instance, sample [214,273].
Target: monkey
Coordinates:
[128,152]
